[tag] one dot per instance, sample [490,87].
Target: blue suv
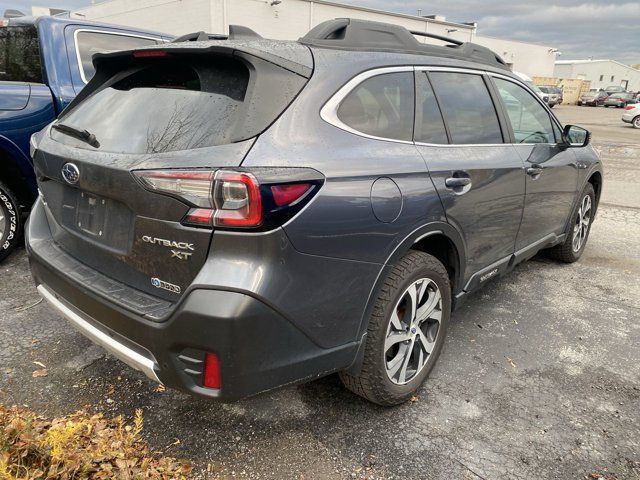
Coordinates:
[233,215]
[44,63]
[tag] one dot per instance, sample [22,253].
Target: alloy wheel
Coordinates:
[413,331]
[3,223]
[581,226]
[636,122]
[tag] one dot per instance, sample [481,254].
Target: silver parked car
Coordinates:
[552,93]
[632,115]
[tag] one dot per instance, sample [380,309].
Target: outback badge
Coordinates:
[156,282]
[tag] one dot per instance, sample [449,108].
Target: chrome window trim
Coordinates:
[329,112]
[106,32]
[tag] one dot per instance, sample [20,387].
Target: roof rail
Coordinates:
[364,35]
[437,37]
[236,32]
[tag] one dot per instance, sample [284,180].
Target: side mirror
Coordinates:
[575,136]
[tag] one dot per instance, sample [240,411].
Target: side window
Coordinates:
[467,108]
[381,106]
[530,121]
[88,43]
[429,122]
[20,54]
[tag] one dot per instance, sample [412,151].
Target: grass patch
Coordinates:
[79,446]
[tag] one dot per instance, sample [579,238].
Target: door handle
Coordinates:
[534,171]
[459,183]
[455,182]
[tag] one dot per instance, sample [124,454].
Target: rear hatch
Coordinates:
[188,106]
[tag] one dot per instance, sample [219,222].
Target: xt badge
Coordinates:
[180,255]
[179,250]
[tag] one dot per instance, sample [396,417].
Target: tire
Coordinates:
[636,122]
[10,222]
[567,252]
[381,378]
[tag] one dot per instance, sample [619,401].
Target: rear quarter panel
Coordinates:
[340,221]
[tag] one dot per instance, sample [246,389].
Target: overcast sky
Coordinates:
[578,28]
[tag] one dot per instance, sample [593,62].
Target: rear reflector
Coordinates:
[289,194]
[212,378]
[150,54]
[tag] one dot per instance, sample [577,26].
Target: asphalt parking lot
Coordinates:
[539,377]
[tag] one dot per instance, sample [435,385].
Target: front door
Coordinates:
[478,176]
[551,170]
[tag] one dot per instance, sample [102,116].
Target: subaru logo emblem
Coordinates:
[70,173]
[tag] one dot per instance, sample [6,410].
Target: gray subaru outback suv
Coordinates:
[229,215]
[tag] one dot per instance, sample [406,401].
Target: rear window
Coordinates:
[381,106]
[20,54]
[169,105]
[88,43]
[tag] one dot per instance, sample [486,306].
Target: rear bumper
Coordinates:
[258,348]
[628,117]
[146,363]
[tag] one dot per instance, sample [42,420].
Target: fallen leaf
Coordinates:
[414,398]
[160,389]
[40,373]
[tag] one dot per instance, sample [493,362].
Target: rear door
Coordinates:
[478,175]
[551,170]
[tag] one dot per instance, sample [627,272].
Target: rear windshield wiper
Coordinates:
[83,135]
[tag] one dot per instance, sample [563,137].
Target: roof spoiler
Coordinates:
[236,32]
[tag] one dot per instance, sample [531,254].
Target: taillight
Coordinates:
[630,107]
[258,200]
[289,194]
[237,200]
[193,186]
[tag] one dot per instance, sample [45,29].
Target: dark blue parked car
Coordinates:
[44,63]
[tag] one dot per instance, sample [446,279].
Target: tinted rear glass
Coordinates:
[381,106]
[467,108]
[89,43]
[20,54]
[170,105]
[429,123]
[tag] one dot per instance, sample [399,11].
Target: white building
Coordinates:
[601,73]
[291,19]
